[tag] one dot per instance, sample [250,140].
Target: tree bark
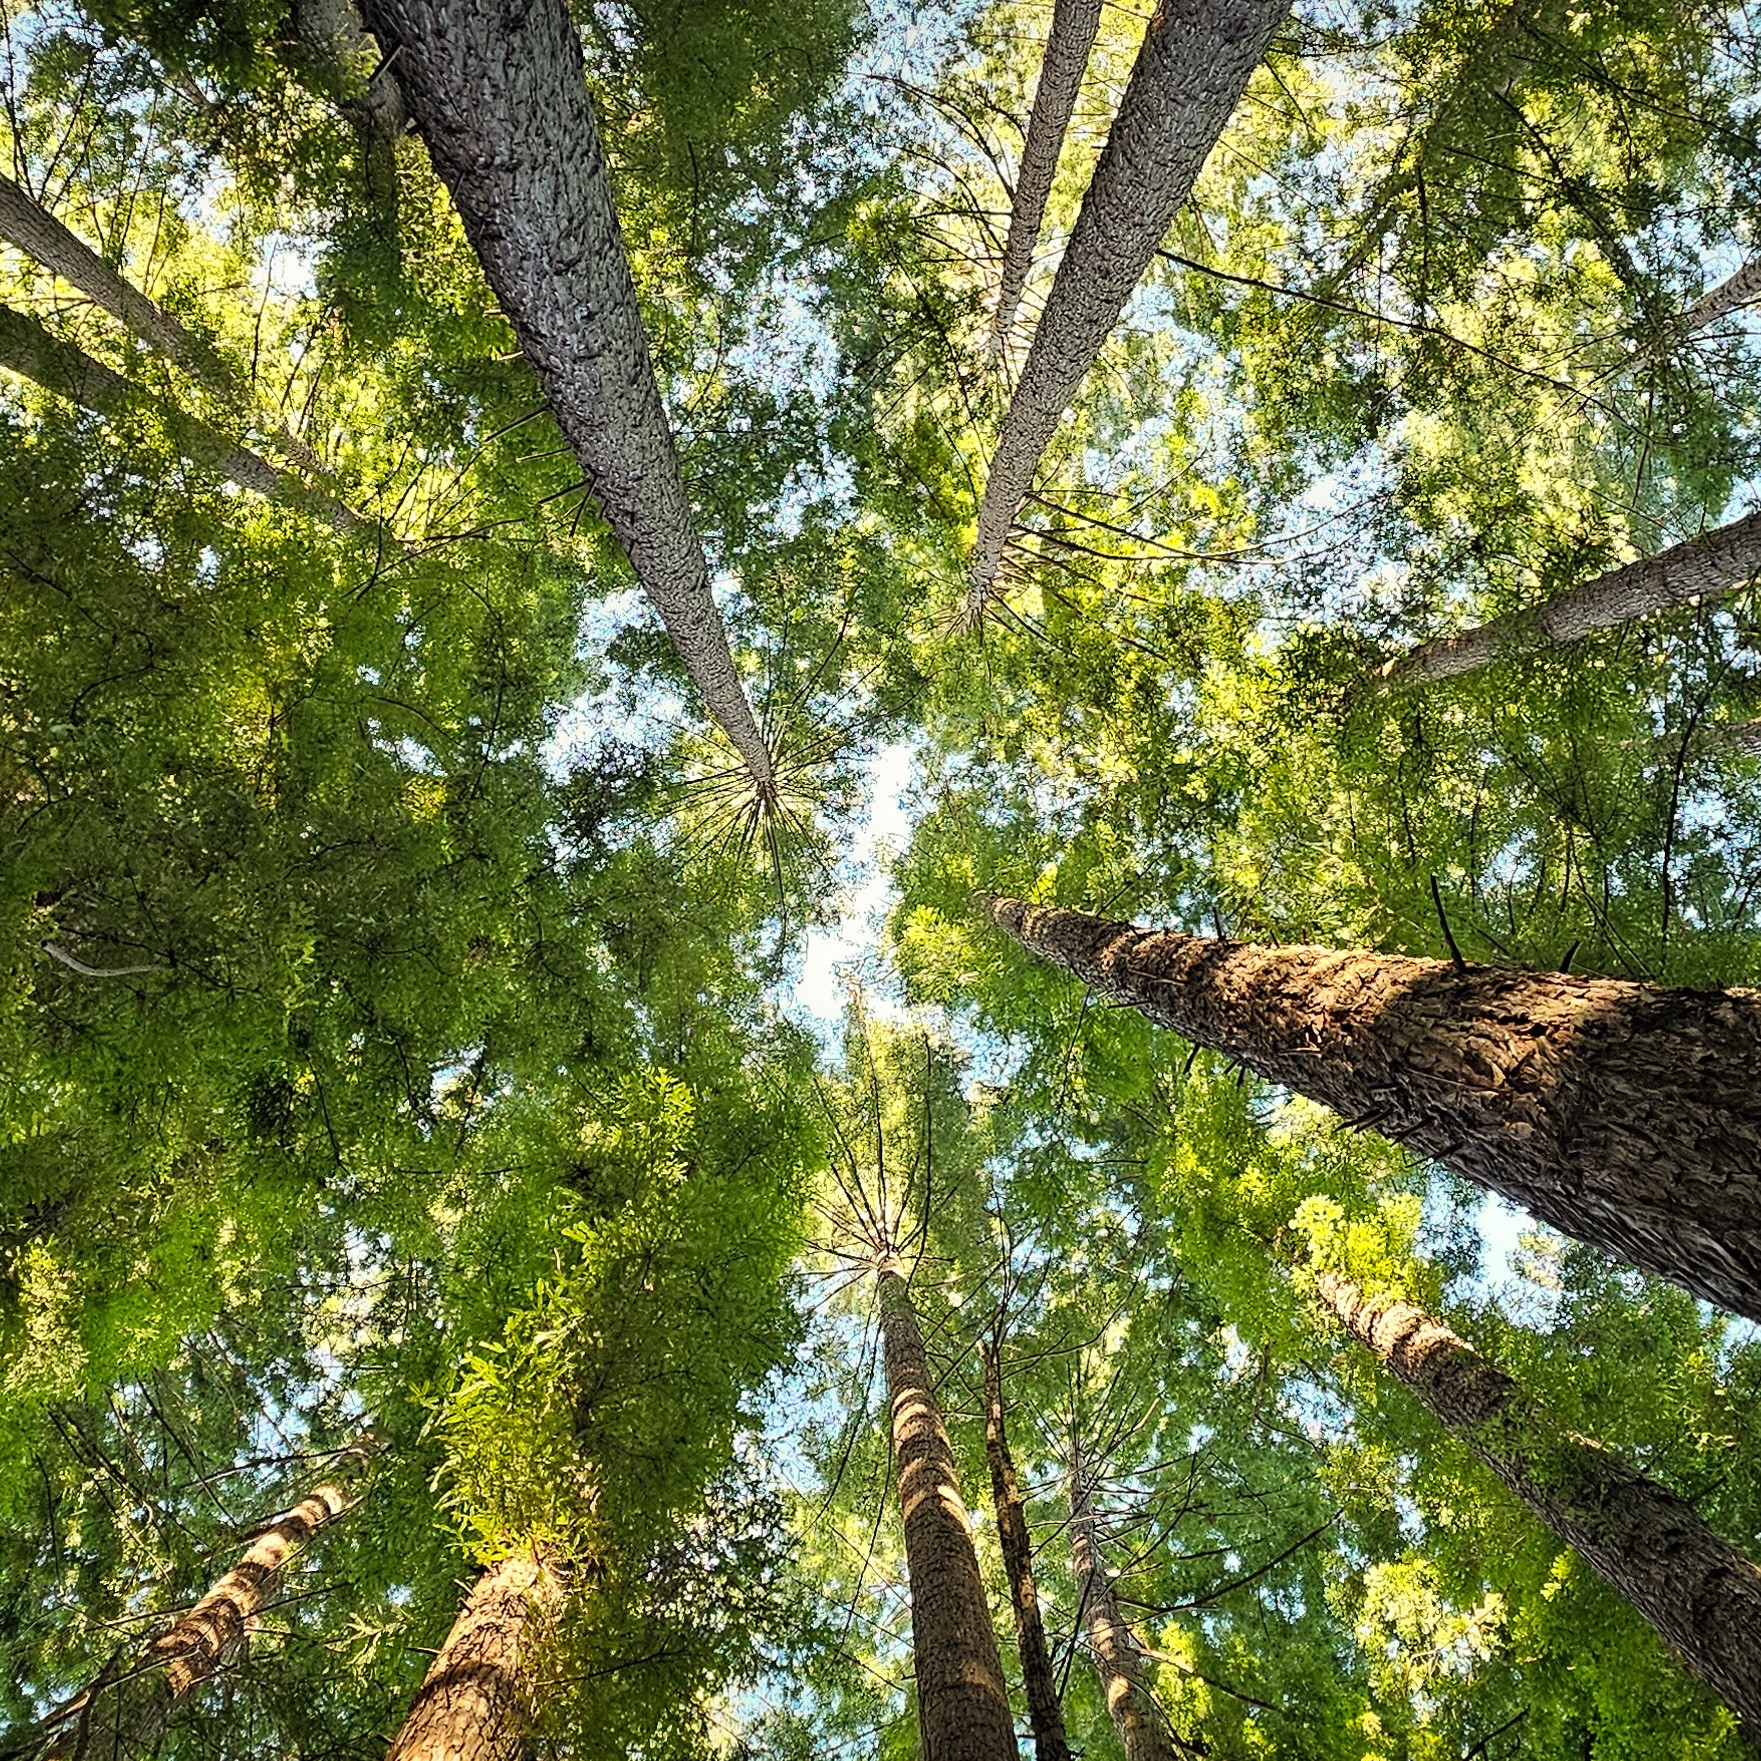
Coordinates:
[1707,567]
[1741,289]
[1622,1115]
[1118,1657]
[1702,1596]
[1196,60]
[128,1715]
[474,1703]
[1037,1676]
[1074,23]
[499,93]
[31,351]
[962,1703]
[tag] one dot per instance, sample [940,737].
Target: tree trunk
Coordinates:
[1740,289]
[962,1704]
[128,1715]
[28,349]
[1074,23]
[1118,1657]
[1702,1596]
[500,95]
[1196,60]
[1624,1116]
[1707,567]
[347,63]
[474,1703]
[1037,1676]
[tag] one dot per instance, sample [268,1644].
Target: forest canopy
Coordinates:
[879,880]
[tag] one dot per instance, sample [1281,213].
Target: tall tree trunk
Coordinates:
[474,1702]
[127,1715]
[1196,60]
[1653,1550]
[1074,23]
[1741,289]
[1037,1676]
[1623,1115]
[500,95]
[34,230]
[1707,567]
[962,1703]
[1118,1657]
[28,349]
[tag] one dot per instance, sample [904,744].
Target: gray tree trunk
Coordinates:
[499,93]
[28,349]
[1196,60]
[1074,23]
[1741,289]
[1701,1595]
[1624,1116]
[1707,567]
[962,1703]
[1118,1657]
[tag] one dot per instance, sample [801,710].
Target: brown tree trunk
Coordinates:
[128,1714]
[1196,60]
[962,1703]
[1741,289]
[1707,567]
[474,1703]
[499,93]
[1702,1596]
[1622,1115]
[1074,23]
[1037,1676]
[31,351]
[1118,1657]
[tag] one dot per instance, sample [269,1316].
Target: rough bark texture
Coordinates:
[498,90]
[1622,1115]
[1706,567]
[962,1704]
[1702,1596]
[473,1703]
[1118,1657]
[1074,23]
[1196,59]
[1037,1676]
[34,353]
[1740,289]
[128,1715]
[335,37]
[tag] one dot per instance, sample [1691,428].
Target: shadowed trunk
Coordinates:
[474,1703]
[1740,289]
[1037,1677]
[128,1714]
[499,93]
[1118,1657]
[1624,1116]
[1707,567]
[34,353]
[346,61]
[1074,23]
[1702,1596]
[962,1704]
[1196,60]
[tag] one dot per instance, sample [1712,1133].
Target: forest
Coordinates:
[880,880]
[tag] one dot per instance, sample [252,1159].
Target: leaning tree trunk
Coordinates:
[1118,1657]
[1623,1115]
[1196,60]
[962,1703]
[1074,23]
[475,1701]
[1741,289]
[500,95]
[28,349]
[1707,567]
[1037,1676]
[1702,1596]
[127,1715]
